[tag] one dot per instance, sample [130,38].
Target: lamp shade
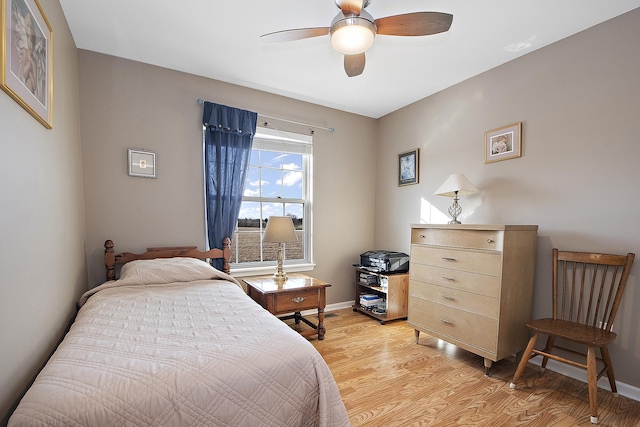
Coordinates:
[280,230]
[456,183]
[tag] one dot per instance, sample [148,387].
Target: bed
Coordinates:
[175,342]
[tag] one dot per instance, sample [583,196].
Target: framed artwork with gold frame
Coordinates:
[26,58]
[503,143]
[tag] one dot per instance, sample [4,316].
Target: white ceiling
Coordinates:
[221,40]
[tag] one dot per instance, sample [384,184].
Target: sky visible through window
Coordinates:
[273,176]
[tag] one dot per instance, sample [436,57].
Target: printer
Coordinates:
[382,261]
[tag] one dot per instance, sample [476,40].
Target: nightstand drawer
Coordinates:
[454,298]
[297,301]
[463,280]
[476,239]
[454,325]
[476,262]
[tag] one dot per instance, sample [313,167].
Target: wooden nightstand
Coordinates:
[298,293]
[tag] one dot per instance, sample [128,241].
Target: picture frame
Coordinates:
[26,58]
[409,167]
[503,143]
[142,163]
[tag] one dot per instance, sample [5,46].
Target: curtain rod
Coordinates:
[201,101]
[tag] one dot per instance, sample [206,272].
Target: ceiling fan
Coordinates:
[353,30]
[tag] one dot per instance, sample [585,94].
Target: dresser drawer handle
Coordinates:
[449,279]
[422,236]
[297,300]
[489,240]
[448,298]
[448,258]
[446,322]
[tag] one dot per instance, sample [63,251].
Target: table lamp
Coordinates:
[280,230]
[457,184]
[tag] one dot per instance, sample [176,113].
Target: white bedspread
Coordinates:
[181,354]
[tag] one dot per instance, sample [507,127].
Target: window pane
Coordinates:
[270,251]
[249,215]
[296,250]
[252,184]
[292,185]
[292,161]
[271,159]
[248,245]
[275,209]
[271,183]
[296,212]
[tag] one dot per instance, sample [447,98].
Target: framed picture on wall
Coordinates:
[142,163]
[26,54]
[409,167]
[503,143]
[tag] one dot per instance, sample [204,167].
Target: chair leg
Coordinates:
[524,360]
[606,358]
[547,349]
[592,377]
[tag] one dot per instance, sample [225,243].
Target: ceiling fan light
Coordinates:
[353,35]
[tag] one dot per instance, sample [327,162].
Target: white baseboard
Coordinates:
[328,308]
[624,389]
[338,306]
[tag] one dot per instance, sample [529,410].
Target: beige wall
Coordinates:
[42,253]
[578,101]
[127,104]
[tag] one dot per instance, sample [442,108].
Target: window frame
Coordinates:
[267,139]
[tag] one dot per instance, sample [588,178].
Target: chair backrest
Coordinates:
[588,287]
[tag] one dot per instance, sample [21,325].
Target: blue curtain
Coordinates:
[227,150]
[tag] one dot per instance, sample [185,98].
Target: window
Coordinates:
[278,183]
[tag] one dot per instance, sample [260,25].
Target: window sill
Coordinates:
[259,271]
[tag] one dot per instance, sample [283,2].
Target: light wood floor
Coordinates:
[386,379]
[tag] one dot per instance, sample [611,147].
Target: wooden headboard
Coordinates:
[111,259]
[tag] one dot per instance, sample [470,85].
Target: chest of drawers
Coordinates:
[472,286]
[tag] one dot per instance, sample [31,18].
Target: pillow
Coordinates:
[166,270]
[161,271]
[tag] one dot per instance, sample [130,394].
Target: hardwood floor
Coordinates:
[386,379]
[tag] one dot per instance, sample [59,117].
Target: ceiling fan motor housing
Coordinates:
[365,3]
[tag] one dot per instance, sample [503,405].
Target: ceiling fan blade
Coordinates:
[414,24]
[296,34]
[350,7]
[354,64]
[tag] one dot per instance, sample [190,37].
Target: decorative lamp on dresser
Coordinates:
[472,285]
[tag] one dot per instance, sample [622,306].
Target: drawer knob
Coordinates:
[446,322]
[297,300]
[449,279]
[448,259]
[422,236]
[489,240]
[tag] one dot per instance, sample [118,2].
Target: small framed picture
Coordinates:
[142,163]
[26,57]
[409,167]
[503,143]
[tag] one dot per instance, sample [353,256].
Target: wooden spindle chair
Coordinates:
[587,289]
